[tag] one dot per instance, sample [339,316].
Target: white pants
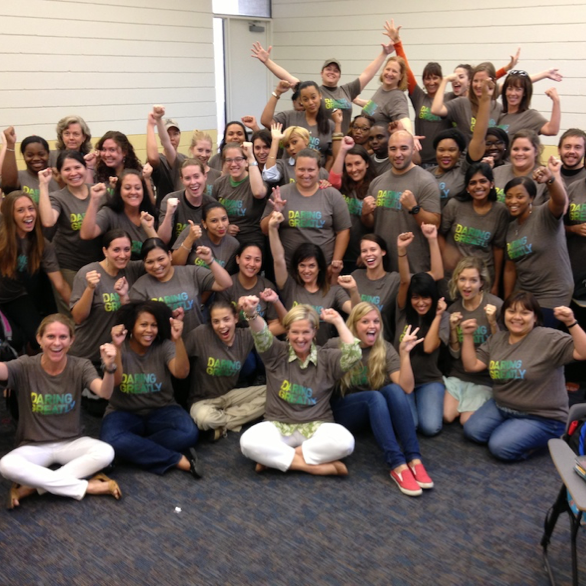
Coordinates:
[264,444]
[80,458]
[232,410]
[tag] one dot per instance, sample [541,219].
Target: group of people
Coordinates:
[201,293]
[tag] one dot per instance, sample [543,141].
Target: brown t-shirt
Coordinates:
[387,105]
[49,406]
[577,215]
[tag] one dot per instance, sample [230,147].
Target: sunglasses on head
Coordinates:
[518,72]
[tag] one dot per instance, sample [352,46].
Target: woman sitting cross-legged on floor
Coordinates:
[48,387]
[525,363]
[143,423]
[299,432]
[220,350]
[367,397]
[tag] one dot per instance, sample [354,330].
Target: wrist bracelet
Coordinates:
[251,317]
[276,95]
[185,247]
[574,324]
[112,370]
[10,150]
[552,180]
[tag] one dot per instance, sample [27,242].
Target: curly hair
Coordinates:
[64,124]
[103,172]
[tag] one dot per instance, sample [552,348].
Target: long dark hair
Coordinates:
[223,143]
[322,119]
[423,285]
[348,184]
[117,203]
[103,172]
[485,170]
[383,246]
[9,238]
[306,251]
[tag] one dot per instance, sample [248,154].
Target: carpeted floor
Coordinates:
[481,524]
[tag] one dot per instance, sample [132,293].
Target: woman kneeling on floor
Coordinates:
[299,432]
[48,388]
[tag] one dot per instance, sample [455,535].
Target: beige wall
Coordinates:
[107,62]
[450,32]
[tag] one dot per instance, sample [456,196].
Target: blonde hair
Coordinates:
[200,135]
[300,312]
[469,262]
[299,131]
[377,360]
[403,82]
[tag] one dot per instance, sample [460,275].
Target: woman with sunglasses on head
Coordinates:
[537,257]
[525,362]
[517,112]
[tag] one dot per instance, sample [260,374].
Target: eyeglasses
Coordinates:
[234,160]
[492,143]
[518,72]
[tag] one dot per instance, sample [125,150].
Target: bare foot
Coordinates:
[260,468]
[101,484]
[16,493]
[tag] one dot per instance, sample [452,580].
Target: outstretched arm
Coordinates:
[552,127]
[477,147]
[264,57]
[277,249]
[266,117]
[170,152]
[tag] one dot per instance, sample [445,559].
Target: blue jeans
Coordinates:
[427,407]
[510,436]
[155,441]
[388,413]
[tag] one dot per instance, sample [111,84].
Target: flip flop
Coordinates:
[195,466]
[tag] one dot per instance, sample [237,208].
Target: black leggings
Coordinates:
[24,319]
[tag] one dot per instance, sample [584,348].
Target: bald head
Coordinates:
[401,151]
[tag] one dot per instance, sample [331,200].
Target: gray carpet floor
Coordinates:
[481,524]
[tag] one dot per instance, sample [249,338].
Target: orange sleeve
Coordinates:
[411,81]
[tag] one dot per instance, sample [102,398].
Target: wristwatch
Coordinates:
[415,210]
[253,164]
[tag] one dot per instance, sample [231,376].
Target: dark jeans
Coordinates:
[389,415]
[155,441]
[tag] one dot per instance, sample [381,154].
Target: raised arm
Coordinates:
[432,339]
[264,56]
[438,107]
[165,230]
[404,377]
[436,263]
[408,201]
[469,359]
[477,147]
[337,169]
[180,255]
[551,176]
[151,141]
[277,204]
[566,316]
[170,152]
[222,279]
[403,242]
[61,285]
[9,167]
[49,216]
[552,127]
[178,366]
[277,136]
[393,33]
[103,387]
[82,309]
[277,249]
[89,229]
[266,117]
[257,185]
[372,68]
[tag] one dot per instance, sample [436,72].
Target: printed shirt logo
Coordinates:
[504,370]
[359,378]
[389,199]
[140,384]
[76,220]
[222,367]
[22,263]
[341,104]
[474,236]
[370,108]
[374,299]
[354,205]
[305,219]
[233,207]
[481,334]
[578,212]
[296,394]
[136,247]
[444,191]
[519,248]
[317,308]
[33,193]
[111,301]
[175,301]
[179,227]
[425,114]
[48,404]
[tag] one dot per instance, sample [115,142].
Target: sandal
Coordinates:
[112,485]
[12,496]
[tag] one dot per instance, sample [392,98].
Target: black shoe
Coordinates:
[195,466]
